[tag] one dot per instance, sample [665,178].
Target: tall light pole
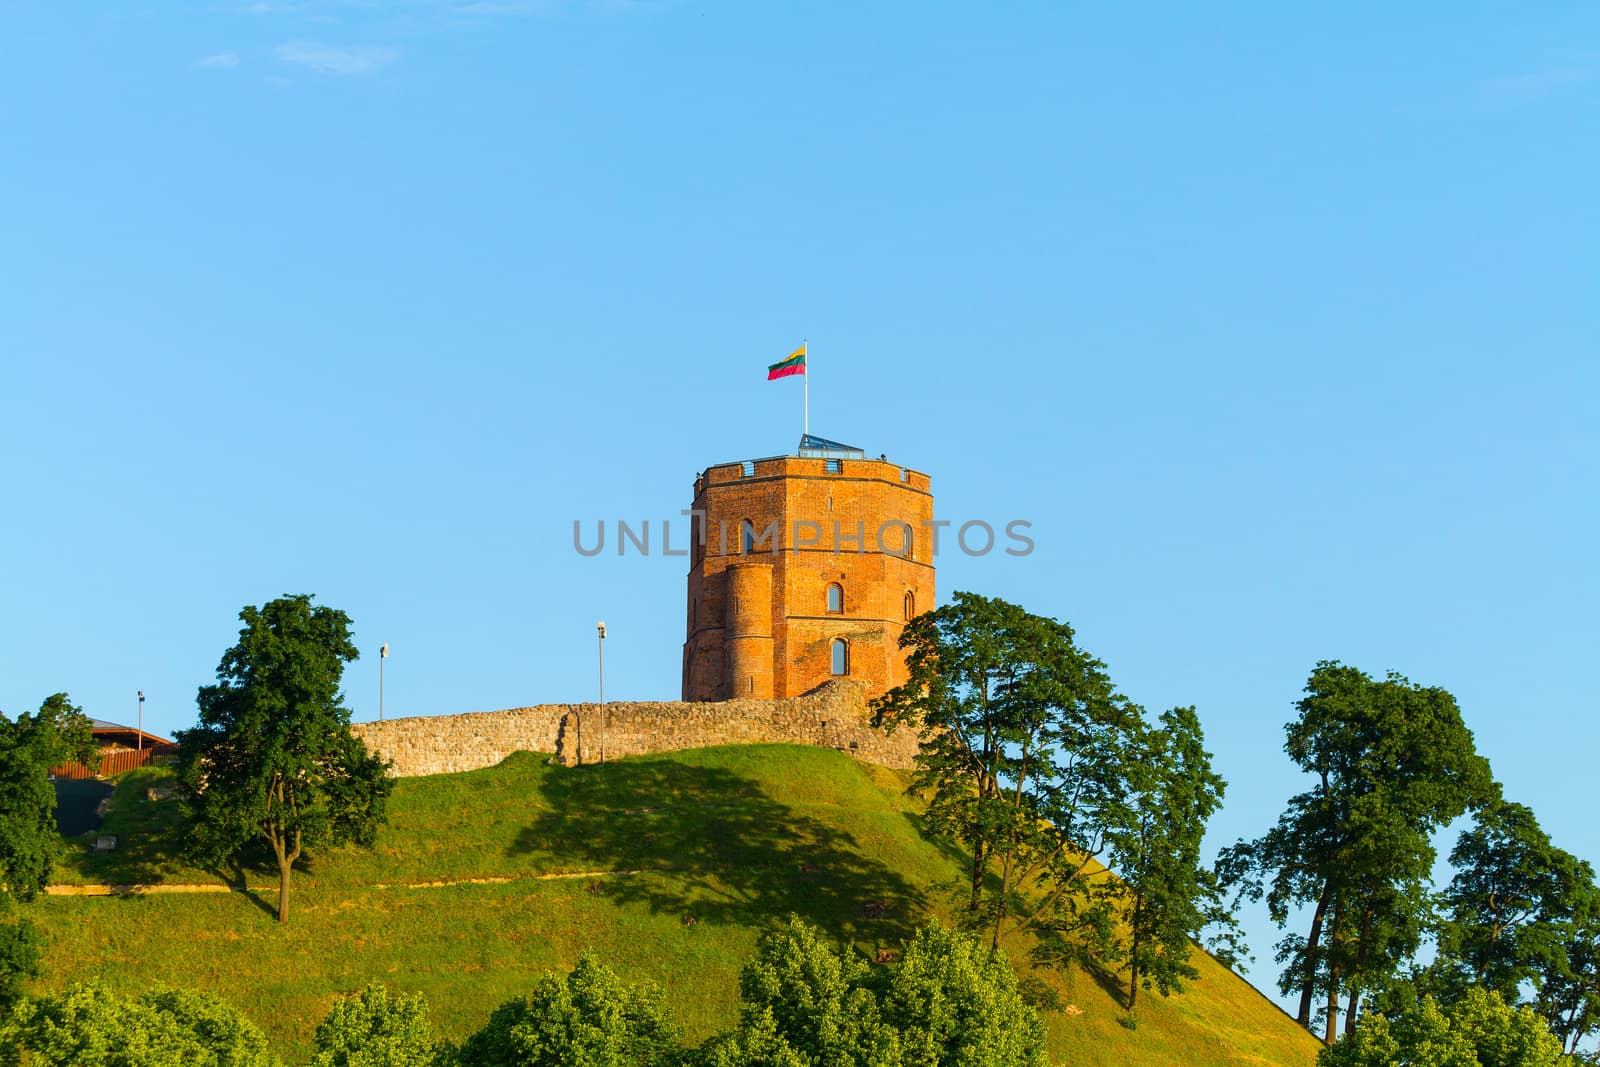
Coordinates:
[141,722]
[601,626]
[383,654]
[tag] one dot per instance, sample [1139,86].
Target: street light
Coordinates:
[141,723]
[383,654]
[601,626]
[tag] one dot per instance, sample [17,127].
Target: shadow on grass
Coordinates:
[739,856]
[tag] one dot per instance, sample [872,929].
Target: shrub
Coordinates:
[588,1019]
[1476,1030]
[374,1029]
[947,1003]
[90,1026]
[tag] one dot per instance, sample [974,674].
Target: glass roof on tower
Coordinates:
[816,447]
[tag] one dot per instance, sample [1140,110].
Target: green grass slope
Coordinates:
[487,878]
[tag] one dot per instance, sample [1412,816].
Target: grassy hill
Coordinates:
[487,878]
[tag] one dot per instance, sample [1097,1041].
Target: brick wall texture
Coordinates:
[760,619]
[833,716]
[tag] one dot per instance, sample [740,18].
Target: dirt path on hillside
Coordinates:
[154,888]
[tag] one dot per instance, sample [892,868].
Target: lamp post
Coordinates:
[140,742]
[601,626]
[383,654]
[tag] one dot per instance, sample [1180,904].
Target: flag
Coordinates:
[795,364]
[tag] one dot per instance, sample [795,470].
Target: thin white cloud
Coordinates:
[1537,84]
[496,7]
[218,61]
[330,59]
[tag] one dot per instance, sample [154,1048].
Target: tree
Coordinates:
[588,1019]
[1025,751]
[1392,762]
[955,1003]
[949,1002]
[1478,1030]
[1570,996]
[29,746]
[273,758]
[1169,896]
[374,1029]
[1513,907]
[807,1004]
[19,961]
[90,1026]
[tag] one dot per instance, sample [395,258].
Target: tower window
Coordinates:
[747,537]
[748,468]
[833,466]
[841,656]
[905,475]
[835,599]
[911,605]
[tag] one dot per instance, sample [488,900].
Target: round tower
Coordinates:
[749,630]
[805,568]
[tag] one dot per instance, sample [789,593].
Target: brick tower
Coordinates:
[807,568]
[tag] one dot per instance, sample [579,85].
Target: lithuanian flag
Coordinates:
[795,364]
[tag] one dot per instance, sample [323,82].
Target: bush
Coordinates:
[1476,1030]
[947,1003]
[90,1026]
[588,1019]
[19,961]
[373,1029]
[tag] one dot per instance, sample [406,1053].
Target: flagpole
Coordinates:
[805,353]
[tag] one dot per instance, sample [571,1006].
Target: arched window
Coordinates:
[906,543]
[911,605]
[835,599]
[841,656]
[747,537]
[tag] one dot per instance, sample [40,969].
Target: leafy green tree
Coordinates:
[1514,906]
[272,758]
[1392,763]
[374,1029]
[89,1026]
[949,1002]
[955,1003]
[1025,754]
[587,1019]
[29,746]
[806,1002]
[19,961]
[1477,1030]
[1570,996]
[1169,895]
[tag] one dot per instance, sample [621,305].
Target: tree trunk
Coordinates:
[1333,1008]
[1133,951]
[1350,1011]
[978,865]
[1308,984]
[283,888]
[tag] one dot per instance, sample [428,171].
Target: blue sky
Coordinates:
[1278,325]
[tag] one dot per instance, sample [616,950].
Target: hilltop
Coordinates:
[669,866]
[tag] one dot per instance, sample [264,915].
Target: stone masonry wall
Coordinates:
[832,716]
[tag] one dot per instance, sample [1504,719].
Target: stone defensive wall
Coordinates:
[834,715]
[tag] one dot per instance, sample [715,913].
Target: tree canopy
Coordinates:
[29,746]
[1025,754]
[1477,1030]
[272,758]
[1392,762]
[87,1025]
